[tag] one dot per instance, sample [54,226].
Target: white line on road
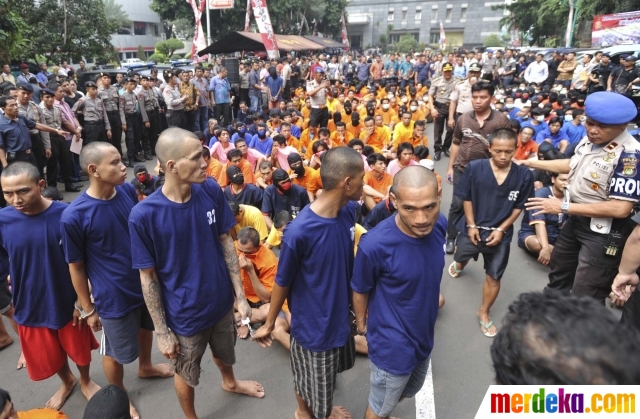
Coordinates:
[425,403]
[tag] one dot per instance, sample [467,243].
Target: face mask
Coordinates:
[563,92]
[242,130]
[540,118]
[413,108]
[405,100]
[262,133]
[508,105]
[537,91]
[501,91]
[568,118]
[498,97]
[420,102]
[525,117]
[390,95]
[425,98]
[523,87]
[347,111]
[385,106]
[299,170]
[142,178]
[238,179]
[285,187]
[558,88]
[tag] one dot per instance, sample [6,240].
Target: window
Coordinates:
[155,30]
[434,38]
[434,14]
[390,17]
[404,15]
[463,13]
[394,38]
[418,15]
[139,28]
[449,13]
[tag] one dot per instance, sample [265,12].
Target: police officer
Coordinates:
[439,98]
[96,120]
[111,101]
[130,112]
[317,91]
[149,100]
[604,184]
[40,143]
[460,99]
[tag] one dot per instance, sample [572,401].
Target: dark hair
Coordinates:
[337,164]
[7,90]
[528,127]
[368,150]
[234,152]
[577,112]
[341,124]
[317,144]
[537,111]
[279,138]
[20,168]
[503,134]
[206,152]
[265,165]
[323,131]
[404,146]
[355,142]
[421,151]
[420,123]
[240,140]
[553,339]
[200,136]
[483,85]
[249,235]
[555,120]
[515,124]
[374,158]
[4,99]
[281,219]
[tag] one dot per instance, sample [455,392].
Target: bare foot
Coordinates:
[301,415]
[133,412]
[57,401]
[250,388]
[6,341]
[158,370]
[89,389]
[243,331]
[339,412]
[22,363]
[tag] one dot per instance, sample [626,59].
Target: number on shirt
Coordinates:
[513,195]
[211,215]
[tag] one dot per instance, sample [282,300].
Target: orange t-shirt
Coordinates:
[293,142]
[42,413]
[523,152]
[377,140]
[247,171]
[273,126]
[265,265]
[310,181]
[214,168]
[305,139]
[381,185]
[305,112]
[336,140]
[404,138]
[309,152]
[355,131]
[388,117]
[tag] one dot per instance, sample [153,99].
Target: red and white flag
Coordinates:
[443,38]
[345,39]
[199,40]
[315,27]
[261,13]
[247,19]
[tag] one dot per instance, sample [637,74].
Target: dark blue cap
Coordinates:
[610,108]
[25,86]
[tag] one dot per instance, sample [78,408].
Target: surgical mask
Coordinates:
[558,88]
[404,100]
[390,95]
[413,108]
[420,102]
[498,97]
[523,87]
[563,91]
[568,118]
[540,118]
[385,106]
[508,105]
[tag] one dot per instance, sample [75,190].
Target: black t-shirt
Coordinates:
[604,71]
[622,77]
[71,101]
[294,78]
[542,176]
[250,195]
[273,201]
[553,68]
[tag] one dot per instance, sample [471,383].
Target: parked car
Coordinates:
[135,63]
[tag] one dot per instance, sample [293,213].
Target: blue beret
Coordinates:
[319,70]
[25,86]
[610,108]
[48,92]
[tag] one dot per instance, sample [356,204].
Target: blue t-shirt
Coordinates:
[212,141]
[182,242]
[249,195]
[273,201]
[512,113]
[263,146]
[316,262]
[96,231]
[43,293]
[403,294]
[574,133]
[552,222]
[555,139]
[247,137]
[493,203]
[295,131]
[536,128]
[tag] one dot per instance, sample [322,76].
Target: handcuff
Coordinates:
[84,314]
[247,322]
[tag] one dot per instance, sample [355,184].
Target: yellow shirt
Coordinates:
[401,131]
[275,237]
[359,232]
[252,217]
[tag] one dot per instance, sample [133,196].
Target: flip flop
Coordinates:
[455,269]
[487,326]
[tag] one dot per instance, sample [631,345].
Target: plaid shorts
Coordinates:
[314,374]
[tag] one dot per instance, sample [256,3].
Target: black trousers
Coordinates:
[456,209]
[116,130]
[133,136]
[94,131]
[578,263]
[150,135]
[221,113]
[319,116]
[175,118]
[190,120]
[60,154]
[439,125]
[631,311]
[37,151]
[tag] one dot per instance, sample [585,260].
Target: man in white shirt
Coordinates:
[537,71]
[286,79]
[582,72]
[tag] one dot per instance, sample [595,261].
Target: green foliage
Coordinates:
[493,41]
[172,44]
[114,12]
[87,29]
[176,57]
[187,55]
[406,44]
[158,58]
[12,32]
[141,53]
[383,38]
[161,48]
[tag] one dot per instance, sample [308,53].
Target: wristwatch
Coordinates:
[565,207]
[84,314]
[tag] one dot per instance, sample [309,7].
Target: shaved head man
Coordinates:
[180,243]
[320,349]
[386,280]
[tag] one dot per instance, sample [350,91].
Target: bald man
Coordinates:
[316,260]
[401,295]
[189,267]
[94,225]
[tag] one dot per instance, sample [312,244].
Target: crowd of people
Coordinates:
[324,161]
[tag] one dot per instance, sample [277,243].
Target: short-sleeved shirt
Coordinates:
[316,263]
[462,94]
[254,79]
[220,88]
[249,195]
[526,151]
[493,203]
[552,222]
[574,133]
[293,202]
[43,294]
[537,128]
[14,134]
[263,146]
[546,134]
[403,295]
[622,77]
[252,217]
[92,228]
[381,185]
[472,139]
[265,265]
[182,242]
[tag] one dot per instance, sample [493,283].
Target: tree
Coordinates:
[141,53]
[12,30]
[161,48]
[493,41]
[172,45]
[80,28]
[114,12]
[406,44]
[158,58]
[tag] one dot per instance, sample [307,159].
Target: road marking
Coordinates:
[425,403]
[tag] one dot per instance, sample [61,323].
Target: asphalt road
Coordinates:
[461,361]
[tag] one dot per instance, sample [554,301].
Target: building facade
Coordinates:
[466,22]
[146,29]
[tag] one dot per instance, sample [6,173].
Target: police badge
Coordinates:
[629,166]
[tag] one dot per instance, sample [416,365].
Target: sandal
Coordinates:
[487,326]
[454,272]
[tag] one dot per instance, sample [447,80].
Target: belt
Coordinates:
[319,107]
[441,104]
[27,151]
[93,122]
[113,112]
[132,114]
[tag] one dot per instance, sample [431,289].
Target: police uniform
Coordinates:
[462,93]
[147,97]
[130,112]
[441,89]
[319,113]
[111,101]
[587,253]
[96,120]
[39,140]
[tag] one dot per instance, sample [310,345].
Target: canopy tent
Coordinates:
[327,42]
[249,41]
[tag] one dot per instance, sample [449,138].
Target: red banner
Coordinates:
[247,19]
[615,29]
[261,13]
[345,39]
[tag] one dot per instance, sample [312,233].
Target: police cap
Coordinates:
[631,58]
[610,108]
[49,92]
[90,84]
[105,75]
[145,77]
[130,80]
[25,86]
[447,67]
[475,67]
